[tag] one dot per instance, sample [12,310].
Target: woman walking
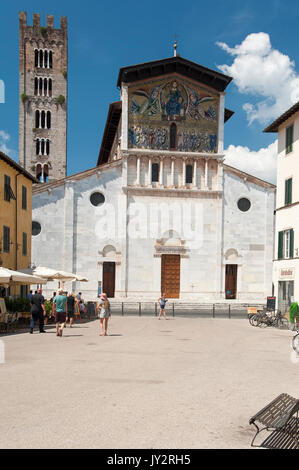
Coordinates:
[104,306]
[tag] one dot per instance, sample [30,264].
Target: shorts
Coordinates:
[60,317]
[71,314]
[104,314]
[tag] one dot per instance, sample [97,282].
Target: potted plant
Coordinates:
[48,308]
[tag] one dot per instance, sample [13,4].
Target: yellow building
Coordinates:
[15,216]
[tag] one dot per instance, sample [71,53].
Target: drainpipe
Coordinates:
[16,224]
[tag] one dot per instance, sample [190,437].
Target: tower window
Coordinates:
[41,59]
[36,58]
[189,174]
[173,136]
[36,86]
[50,59]
[38,172]
[50,87]
[48,120]
[37,115]
[43,120]
[155,172]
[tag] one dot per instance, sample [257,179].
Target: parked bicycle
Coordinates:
[267,318]
[295,342]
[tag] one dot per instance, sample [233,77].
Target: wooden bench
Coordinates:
[277,416]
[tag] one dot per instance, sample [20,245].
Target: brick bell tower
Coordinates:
[43,97]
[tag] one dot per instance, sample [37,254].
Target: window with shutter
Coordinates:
[6,239]
[189,174]
[288,191]
[289,138]
[291,252]
[24,244]
[280,245]
[24,197]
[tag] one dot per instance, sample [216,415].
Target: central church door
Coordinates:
[171,276]
[109,278]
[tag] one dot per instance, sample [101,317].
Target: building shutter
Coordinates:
[6,239]
[288,191]
[24,197]
[289,138]
[291,243]
[280,245]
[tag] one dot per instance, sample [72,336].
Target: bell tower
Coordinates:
[43,97]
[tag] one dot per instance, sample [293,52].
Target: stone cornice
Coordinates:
[168,153]
[171,192]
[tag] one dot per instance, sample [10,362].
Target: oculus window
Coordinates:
[244,204]
[97,199]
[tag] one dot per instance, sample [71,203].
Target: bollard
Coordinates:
[213,310]
[173,309]
[229,311]
[122,309]
[140,309]
[156,309]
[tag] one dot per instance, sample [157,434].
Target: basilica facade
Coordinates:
[161,212]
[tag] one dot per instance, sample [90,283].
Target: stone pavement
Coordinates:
[181,383]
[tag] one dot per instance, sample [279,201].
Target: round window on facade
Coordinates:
[97,199]
[36,228]
[244,204]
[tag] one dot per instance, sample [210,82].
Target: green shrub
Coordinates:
[48,308]
[60,99]
[18,304]
[43,31]
[24,97]
[65,74]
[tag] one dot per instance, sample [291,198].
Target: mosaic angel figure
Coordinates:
[150,106]
[195,109]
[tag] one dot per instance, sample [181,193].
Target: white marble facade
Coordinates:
[138,223]
[190,208]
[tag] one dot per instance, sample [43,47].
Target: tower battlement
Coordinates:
[43,97]
[36,24]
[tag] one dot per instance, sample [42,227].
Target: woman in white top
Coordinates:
[104,307]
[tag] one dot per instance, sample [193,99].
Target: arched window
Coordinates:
[48,120]
[36,58]
[47,147]
[50,59]
[37,117]
[41,58]
[45,87]
[43,120]
[155,172]
[173,136]
[36,86]
[42,146]
[40,86]
[189,174]
[37,143]
[50,86]
[46,173]
[46,59]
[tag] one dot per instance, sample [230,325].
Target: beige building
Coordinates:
[15,215]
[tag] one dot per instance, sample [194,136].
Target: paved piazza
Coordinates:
[181,383]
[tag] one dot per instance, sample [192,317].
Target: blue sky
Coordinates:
[104,36]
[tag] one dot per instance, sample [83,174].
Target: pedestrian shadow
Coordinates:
[115,335]
[69,336]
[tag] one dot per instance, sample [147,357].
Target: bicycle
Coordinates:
[295,342]
[270,318]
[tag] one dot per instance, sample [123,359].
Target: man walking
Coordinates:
[70,308]
[59,310]
[38,311]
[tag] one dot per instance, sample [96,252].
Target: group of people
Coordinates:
[63,308]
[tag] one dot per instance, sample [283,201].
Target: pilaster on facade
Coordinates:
[124,116]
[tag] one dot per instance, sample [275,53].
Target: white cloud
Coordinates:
[265,73]
[4,139]
[261,163]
